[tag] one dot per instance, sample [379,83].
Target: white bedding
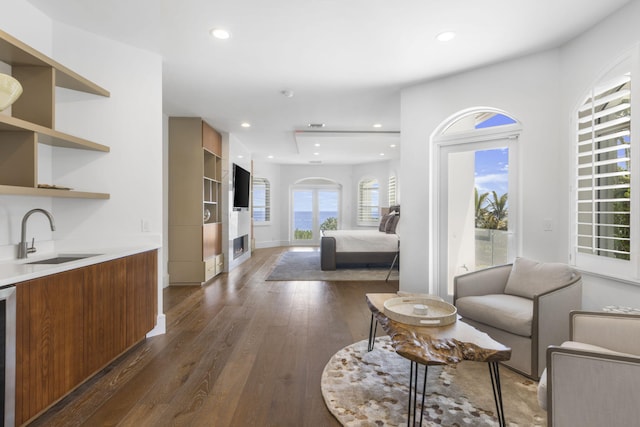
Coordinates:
[363,240]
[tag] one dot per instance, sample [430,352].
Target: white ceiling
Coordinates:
[345,60]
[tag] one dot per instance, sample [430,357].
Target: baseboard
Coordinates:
[160,328]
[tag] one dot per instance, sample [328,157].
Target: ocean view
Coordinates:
[303,220]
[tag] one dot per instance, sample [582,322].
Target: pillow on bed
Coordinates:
[392,224]
[383,222]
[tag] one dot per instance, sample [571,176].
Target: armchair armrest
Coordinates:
[551,318]
[482,282]
[586,388]
[615,331]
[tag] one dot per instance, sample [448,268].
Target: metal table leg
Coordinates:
[373,327]
[413,394]
[494,372]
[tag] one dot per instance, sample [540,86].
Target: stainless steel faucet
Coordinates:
[23,247]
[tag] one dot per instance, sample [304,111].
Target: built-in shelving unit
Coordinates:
[195,196]
[32,120]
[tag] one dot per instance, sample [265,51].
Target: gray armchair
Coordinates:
[594,379]
[524,306]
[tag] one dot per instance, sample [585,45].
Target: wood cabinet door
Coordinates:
[49,341]
[142,295]
[104,313]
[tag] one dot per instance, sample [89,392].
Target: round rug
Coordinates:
[363,388]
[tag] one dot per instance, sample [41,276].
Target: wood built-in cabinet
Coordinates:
[32,120]
[195,195]
[70,325]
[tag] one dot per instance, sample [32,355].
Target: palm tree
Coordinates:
[481,211]
[497,213]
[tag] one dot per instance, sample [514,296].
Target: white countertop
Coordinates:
[15,271]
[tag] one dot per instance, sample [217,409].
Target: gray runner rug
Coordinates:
[306,266]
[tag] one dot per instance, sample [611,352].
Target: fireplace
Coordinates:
[240,245]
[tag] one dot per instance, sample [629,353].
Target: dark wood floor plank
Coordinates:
[239,351]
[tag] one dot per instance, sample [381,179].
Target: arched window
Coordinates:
[368,201]
[605,221]
[261,200]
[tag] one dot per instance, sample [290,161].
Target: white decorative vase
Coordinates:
[10,90]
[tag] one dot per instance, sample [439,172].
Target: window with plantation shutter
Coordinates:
[368,202]
[261,200]
[392,190]
[604,214]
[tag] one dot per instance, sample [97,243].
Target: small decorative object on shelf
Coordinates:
[10,90]
[207,214]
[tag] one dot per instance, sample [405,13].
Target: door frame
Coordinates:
[482,139]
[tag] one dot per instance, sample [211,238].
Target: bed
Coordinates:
[339,248]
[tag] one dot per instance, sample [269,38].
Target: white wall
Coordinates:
[541,91]
[583,62]
[129,122]
[526,89]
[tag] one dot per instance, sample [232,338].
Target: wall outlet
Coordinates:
[547,225]
[144,225]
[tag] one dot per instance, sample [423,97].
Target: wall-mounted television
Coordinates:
[241,187]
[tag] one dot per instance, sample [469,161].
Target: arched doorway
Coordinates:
[476,200]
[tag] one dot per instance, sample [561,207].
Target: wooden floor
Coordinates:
[238,351]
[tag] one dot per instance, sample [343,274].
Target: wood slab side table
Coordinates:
[439,345]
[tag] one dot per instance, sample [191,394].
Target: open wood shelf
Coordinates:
[50,192]
[15,52]
[32,120]
[49,136]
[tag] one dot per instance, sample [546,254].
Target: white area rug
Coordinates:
[363,388]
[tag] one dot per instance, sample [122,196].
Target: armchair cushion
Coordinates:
[529,278]
[516,313]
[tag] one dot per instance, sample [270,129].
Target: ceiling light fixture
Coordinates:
[316,125]
[316,145]
[240,156]
[245,124]
[316,154]
[220,33]
[287,93]
[446,36]
[269,156]
[377,125]
[382,154]
[393,146]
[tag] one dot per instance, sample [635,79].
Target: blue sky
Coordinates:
[492,166]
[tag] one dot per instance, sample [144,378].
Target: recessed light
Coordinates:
[240,156]
[316,154]
[446,36]
[316,145]
[269,157]
[377,125]
[287,93]
[316,125]
[382,154]
[245,125]
[220,33]
[393,146]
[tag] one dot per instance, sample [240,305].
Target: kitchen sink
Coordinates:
[61,259]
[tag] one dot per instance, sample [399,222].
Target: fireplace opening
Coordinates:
[240,245]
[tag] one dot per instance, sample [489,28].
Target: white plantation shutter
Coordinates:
[392,190]
[368,202]
[603,171]
[261,200]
